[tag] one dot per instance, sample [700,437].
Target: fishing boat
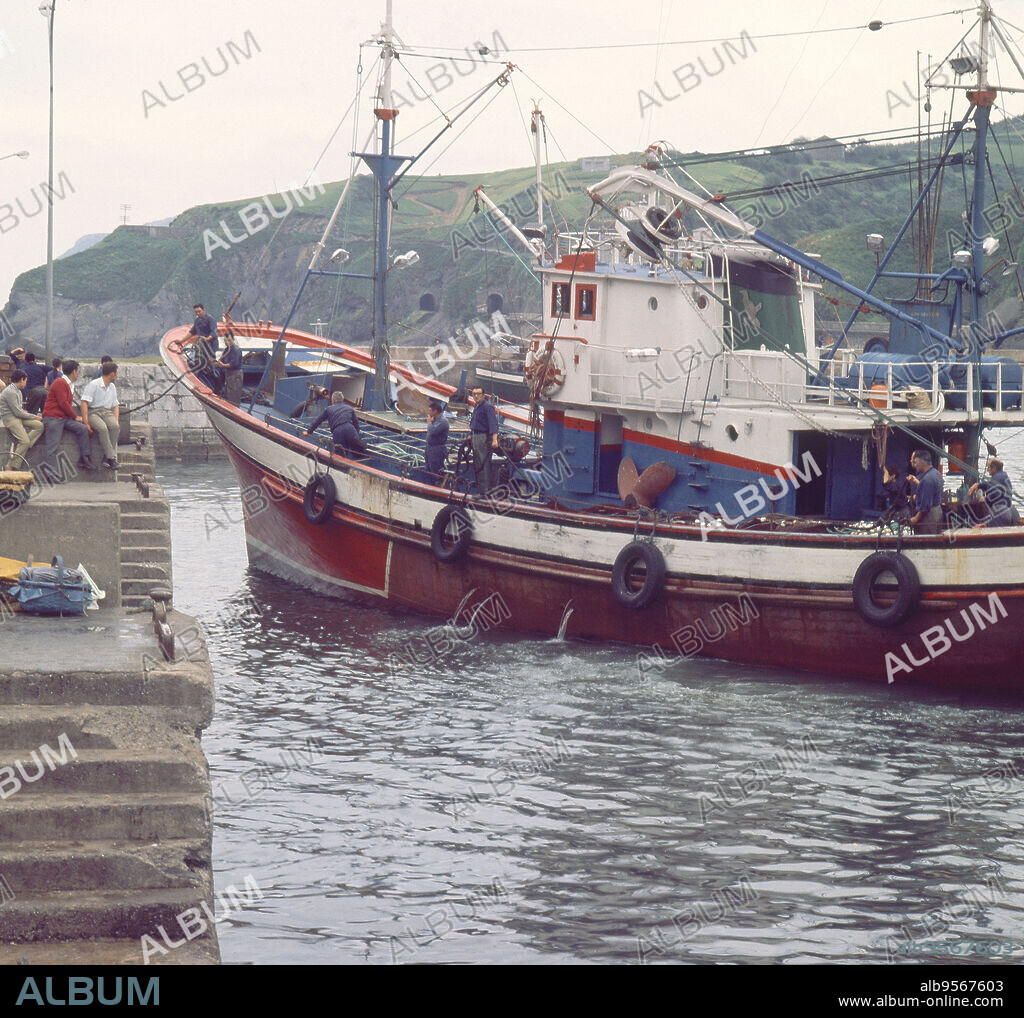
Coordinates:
[703,479]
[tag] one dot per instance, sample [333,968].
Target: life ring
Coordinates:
[440,534]
[553,372]
[654,580]
[321,485]
[908,589]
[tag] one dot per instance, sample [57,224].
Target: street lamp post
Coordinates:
[11,155]
[47,9]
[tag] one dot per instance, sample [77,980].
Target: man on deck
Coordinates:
[344,425]
[484,426]
[231,362]
[927,518]
[437,438]
[205,328]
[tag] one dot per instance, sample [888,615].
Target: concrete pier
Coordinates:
[105,824]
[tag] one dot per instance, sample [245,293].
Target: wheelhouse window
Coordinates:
[559,300]
[586,302]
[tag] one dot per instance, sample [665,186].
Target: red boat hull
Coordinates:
[764,625]
[764,599]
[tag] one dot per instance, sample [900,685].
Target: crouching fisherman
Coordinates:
[344,425]
[995,495]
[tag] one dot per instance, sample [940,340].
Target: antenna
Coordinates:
[125,209]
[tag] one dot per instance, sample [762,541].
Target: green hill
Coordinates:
[209,253]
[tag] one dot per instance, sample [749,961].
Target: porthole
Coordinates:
[702,301]
[732,432]
[653,303]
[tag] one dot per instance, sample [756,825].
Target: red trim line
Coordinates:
[710,455]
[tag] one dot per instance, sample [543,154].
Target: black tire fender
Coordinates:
[908,585]
[439,532]
[654,581]
[322,485]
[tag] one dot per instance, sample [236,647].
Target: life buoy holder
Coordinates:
[320,486]
[654,579]
[553,372]
[442,544]
[908,589]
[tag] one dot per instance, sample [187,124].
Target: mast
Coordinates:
[537,127]
[387,168]
[982,100]
[376,395]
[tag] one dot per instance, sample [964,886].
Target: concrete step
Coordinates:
[141,537]
[141,587]
[146,514]
[90,727]
[144,817]
[55,915]
[144,571]
[157,554]
[134,503]
[99,771]
[152,683]
[31,867]
[131,601]
[108,951]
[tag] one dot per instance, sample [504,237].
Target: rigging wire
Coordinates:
[426,169]
[835,70]
[692,42]
[568,113]
[792,71]
[895,136]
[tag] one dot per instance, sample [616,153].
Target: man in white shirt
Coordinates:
[101,412]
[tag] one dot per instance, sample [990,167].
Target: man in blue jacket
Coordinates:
[484,426]
[344,425]
[927,518]
[437,438]
[35,388]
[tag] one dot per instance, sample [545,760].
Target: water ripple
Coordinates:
[526,800]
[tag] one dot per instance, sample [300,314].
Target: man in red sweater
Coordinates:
[58,414]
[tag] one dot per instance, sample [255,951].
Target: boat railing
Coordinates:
[763,374]
[923,384]
[654,399]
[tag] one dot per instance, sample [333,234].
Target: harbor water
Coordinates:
[402,792]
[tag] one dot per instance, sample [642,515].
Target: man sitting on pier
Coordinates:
[58,415]
[24,428]
[35,388]
[344,425]
[101,412]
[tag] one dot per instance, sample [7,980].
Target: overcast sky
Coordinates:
[129,131]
